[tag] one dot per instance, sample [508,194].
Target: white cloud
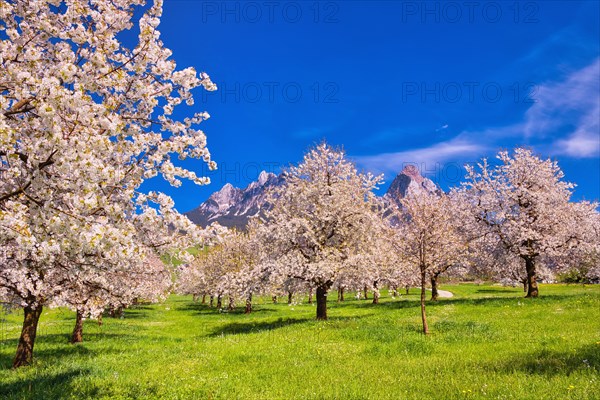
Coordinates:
[570,108]
[572,105]
[428,159]
[560,101]
[585,141]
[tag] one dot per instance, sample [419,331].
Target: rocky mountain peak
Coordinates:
[413,173]
[264,177]
[410,182]
[225,197]
[232,207]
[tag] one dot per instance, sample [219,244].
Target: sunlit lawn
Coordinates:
[486,342]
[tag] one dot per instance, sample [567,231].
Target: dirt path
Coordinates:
[444,293]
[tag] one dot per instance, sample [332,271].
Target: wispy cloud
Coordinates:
[428,158]
[572,106]
[564,120]
[584,142]
[572,102]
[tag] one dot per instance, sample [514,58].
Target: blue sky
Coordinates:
[435,84]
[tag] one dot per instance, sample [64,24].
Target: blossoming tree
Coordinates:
[84,121]
[146,279]
[428,238]
[321,220]
[524,204]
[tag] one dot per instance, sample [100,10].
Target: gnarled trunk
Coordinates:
[77,336]
[322,301]
[31,317]
[434,287]
[248,308]
[532,287]
[423,315]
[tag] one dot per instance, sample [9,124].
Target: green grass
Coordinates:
[486,342]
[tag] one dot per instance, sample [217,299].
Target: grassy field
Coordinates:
[486,342]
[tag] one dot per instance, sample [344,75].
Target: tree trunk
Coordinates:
[532,287]
[290,295]
[77,336]
[322,302]
[194,298]
[100,320]
[423,315]
[219,302]
[434,287]
[212,300]
[339,294]
[366,293]
[231,305]
[342,294]
[248,308]
[24,354]
[274,298]
[407,287]
[203,299]
[395,291]
[310,296]
[525,285]
[375,293]
[116,312]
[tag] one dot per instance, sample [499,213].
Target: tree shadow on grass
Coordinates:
[91,337]
[46,354]
[130,313]
[384,304]
[141,306]
[413,301]
[236,328]
[501,301]
[204,309]
[552,362]
[500,290]
[56,346]
[63,338]
[47,386]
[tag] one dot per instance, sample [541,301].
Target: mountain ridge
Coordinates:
[232,207]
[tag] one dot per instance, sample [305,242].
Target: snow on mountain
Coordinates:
[231,206]
[410,182]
